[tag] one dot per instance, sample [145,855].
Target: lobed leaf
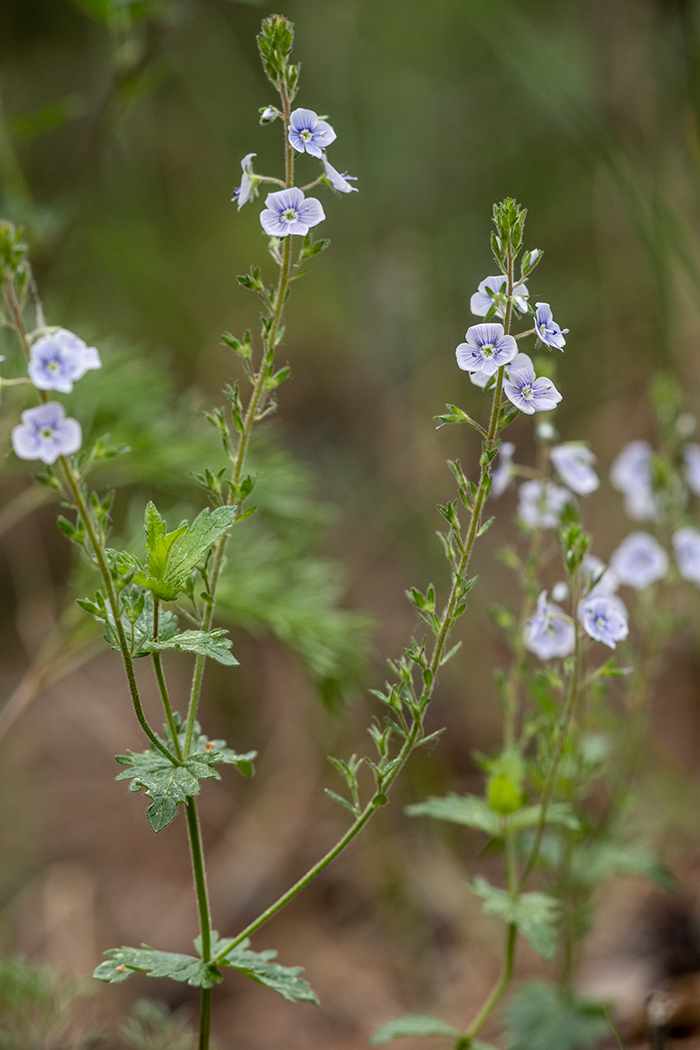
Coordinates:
[260,967]
[533,913]
[460,809]
[412,1025]
[122,962]
[540,1017]
[214,644]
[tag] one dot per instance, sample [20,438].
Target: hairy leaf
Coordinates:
[214,644]
[603,860]
[167,785]
[173,556]
[534,914]
[122,962]
[414,1024]
[539,1017]
[259,966]
[460,809]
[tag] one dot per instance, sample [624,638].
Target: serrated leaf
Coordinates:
[533,913]
[412,1025]
[167,785]
[122,962]
[557,813]
[214,644]
[470,810]
[601,861]
[173,556]
[539,1017]
[259,966]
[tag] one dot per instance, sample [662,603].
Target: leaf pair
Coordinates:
[259,966]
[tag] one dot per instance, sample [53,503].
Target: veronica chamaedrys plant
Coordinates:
[182,563]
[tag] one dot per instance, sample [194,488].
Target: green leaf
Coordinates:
[139,630]
[534,914]
[414,1024]
[122,962]
[603,860]
[174,556]
[284,980]
[540,1018]
[460,809]
[167,785]
[214,644]
[557,813]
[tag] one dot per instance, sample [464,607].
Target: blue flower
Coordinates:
[56,361]
[597,579]
[493,290]
[547,329]
[481,380]
[247,188]
[550,632]
[686,544]
[288,211]
[604,619]
[486,349]
[540,503]
[503,474]
[308,134]
[338,182]
[45,433]
[572,461]
[631,474]
[530,394]
[639,560]
[691,459]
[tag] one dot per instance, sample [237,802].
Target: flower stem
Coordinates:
[158,666]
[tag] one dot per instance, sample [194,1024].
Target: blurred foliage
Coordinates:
[151,1026]
[38,1008]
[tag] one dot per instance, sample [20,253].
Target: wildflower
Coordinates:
[604,618]
[308,134]
[541,503]
[630,473]
[288,211]
[338,182]
[550,632]
[545,430]
[547,329]
[56,361]
[247,188]
[598,580]
[492,290]
[481,380]
[686,544]
[45,433]
[560,591]
[639,560]
[486,349]
[572,461]
[530,394]
[691,458]
[503,474]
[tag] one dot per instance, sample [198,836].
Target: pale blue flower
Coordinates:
[547,329]
[639,560]
[630,473]
[308,134]
[686,544]
[572,461]
[57,360]
[540,503]
[481,380]
[502,476]
[338,182]
[288,211]
[530,394]
[493,290]
[550,632]
[486,349]
[45,433]
[691,459]
[604,619]
[247,188]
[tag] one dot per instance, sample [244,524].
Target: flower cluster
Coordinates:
[56,361]
[287,211]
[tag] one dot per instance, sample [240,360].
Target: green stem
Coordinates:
[498,991]
[200,880]
[157,664]
[204,1018]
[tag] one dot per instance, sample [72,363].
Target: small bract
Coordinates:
[46,433]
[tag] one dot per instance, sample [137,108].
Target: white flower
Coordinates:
[573,462]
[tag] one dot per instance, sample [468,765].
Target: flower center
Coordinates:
[488,350]
[306,135]
[52,366]
[290,215]
[46,433]
[600,623]
[526,391]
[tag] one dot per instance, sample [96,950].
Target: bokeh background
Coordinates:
[122,127]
